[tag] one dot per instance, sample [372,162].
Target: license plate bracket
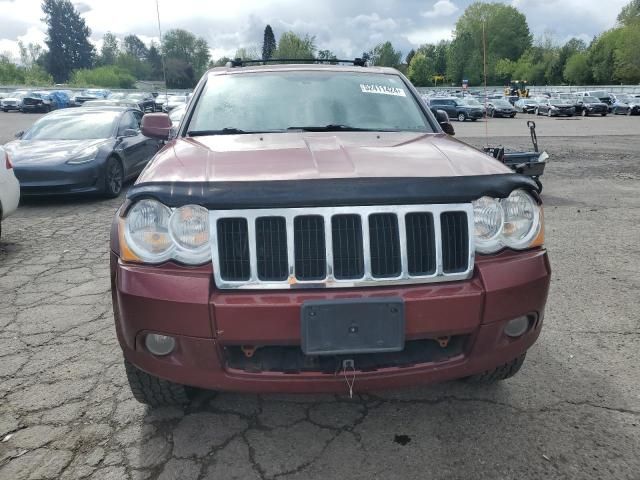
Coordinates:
[352,326]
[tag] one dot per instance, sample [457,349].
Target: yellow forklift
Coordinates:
[517,88]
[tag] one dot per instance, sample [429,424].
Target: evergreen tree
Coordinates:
[135,47]
[155,62]
[269,43]
[109,50]
[67,39]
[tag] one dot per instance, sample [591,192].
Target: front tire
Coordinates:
[501,372]
[154,391]
[113,178]
[462,117]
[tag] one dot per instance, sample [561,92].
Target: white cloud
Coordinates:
[442,8]
[430,35]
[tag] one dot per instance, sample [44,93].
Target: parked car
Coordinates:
[81,151]
[526,105]
[592,106]
[457,108]
[631,101]
[340,231]
[555,107]
[619,107]
[13,101]
[109,102]
[176,115]
[90,94]
[146,102]
[37,102]
[500,108]
[175,101]
[9,188]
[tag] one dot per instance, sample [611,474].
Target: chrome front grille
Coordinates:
[341,246]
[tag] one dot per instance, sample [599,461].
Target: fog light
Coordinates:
[517,326]
[160,344]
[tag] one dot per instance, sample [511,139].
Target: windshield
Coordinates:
[501,103]
[136,96]
[591,100]
[600,94]
[558,101]
[472,102]
[277,101]
[73,127]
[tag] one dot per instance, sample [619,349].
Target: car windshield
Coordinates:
[83,126]
[277,101]
[501,103]
[624,98]
[558,102]
[136,96]
[591,100]
[599,94]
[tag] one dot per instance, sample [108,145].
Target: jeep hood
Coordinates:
[302,155]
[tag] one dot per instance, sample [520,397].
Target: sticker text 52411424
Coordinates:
[382,90]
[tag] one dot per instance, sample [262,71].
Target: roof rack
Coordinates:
[239,62]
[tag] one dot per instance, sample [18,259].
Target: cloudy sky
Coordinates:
[343,26]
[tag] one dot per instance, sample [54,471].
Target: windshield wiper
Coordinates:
[337,128]
[224,131]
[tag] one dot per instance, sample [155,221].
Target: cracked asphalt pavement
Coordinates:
[573,411]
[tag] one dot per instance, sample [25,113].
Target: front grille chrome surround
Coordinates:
[253,282]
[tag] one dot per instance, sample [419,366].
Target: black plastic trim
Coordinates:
[332,192]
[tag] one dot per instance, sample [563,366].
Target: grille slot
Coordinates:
[310,249]
[384,245]
[271,248]
[346,232]
[455,246]
[345,246]
[421,246]
[233,249]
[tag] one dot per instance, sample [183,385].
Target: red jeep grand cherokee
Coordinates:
[311,228]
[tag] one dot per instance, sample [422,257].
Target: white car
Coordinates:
[9,188]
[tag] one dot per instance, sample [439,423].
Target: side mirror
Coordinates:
[20,134]
[445,123]
[156,125]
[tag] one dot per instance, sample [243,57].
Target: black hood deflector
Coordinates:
[332,192]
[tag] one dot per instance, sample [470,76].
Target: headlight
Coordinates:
[155,233]
[189,229]
[514,222]
[147,231]
[488,220]
[85,155]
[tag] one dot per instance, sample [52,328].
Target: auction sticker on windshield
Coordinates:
[383,90]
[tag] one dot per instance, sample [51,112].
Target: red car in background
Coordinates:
[311,228]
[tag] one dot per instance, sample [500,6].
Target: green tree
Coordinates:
[247,53]
[181,45]
[67,39]
[630,13]
[292,45]
[384,55]
[221,62]
[180,74]
[409,56]
[140,69]
[576,70]
[269,43]
[108,76]
[109,50]
[627,55]
[440,57]
[29,54]
[132,45]
[421,70]
[507,36]
[326,55]
[602,56]
[154,60]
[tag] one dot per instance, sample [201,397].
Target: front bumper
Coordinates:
[11,107]
[183,302]
[60,179]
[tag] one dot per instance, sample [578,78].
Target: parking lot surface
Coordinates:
[572,412]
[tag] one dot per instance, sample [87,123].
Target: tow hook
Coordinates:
[443,341]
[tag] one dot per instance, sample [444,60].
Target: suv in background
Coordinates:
[286,246]
[457,108]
